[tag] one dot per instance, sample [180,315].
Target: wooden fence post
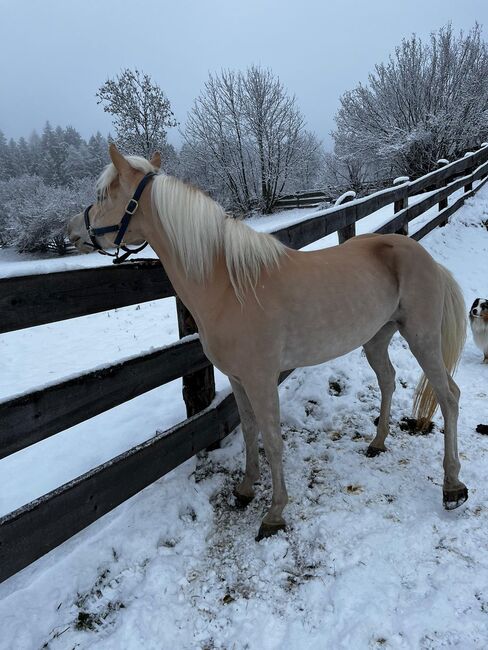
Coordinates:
[482,146]
[401,204]
[442,162]
[198,387]
[348,231]
[469,186]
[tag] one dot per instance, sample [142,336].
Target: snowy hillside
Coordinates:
[370,560]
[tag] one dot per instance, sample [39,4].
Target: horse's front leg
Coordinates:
[263,396]
[244,492]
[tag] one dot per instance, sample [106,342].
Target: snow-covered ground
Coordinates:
[370,560]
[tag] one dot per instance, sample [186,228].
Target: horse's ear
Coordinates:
[121,164]
[156,160]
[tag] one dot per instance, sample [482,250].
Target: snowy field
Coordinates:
[370,560]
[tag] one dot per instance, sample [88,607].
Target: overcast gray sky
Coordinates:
[54,54]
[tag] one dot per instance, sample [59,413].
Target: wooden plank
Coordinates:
[30,300]
[328,221]
[435,178]
[440,219]
[42,413]
[369,204]
[300,234]
[33,530]
[397,225]
[415,210]
[446,213]
[480,172]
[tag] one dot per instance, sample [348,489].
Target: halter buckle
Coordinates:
[131,203]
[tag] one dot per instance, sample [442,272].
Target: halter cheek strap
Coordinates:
[119,228]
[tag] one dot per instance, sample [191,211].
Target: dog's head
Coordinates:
[479,309]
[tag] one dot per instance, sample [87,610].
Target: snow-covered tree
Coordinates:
[429,101]
[35,214]
[98,153]
[140,109]
[246,131]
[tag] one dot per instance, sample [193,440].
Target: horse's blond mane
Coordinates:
[199,231]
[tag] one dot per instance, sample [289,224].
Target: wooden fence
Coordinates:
[313,198]
[37,527]
[310,199]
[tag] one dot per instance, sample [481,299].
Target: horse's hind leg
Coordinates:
[427,350]
[244,492]
[377,354]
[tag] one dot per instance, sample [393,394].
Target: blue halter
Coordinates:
[119,228]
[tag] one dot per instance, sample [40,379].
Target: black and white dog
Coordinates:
[478,317]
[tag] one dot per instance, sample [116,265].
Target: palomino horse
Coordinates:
[262,308]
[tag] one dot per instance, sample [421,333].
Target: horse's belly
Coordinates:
[313,344]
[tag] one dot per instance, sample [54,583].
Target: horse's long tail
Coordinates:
[453,336]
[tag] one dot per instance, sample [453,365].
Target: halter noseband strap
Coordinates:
[119,228]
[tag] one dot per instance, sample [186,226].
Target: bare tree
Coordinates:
[247,133]
[430,100]
[344,172]
[141,111]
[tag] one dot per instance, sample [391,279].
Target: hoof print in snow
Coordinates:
[411,426]
[482,428]
[372,452]
[354,489]
[452,499]
[336,387]
[310,407]
[268,530]
[87,621]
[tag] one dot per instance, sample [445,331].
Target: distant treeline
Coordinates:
[45,179]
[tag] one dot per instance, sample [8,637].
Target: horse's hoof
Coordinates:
[372,452]
[452,499]
[241,500]
[267,530]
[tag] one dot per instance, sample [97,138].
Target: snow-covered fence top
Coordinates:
[26,301]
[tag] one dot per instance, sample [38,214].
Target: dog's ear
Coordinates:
[475,304]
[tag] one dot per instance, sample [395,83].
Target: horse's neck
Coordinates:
[201,300]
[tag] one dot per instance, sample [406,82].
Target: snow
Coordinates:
[13,263]
[370,560]
[347,195]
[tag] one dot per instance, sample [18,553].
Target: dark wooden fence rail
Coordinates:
[42,413]
[31,531]
[310,199]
